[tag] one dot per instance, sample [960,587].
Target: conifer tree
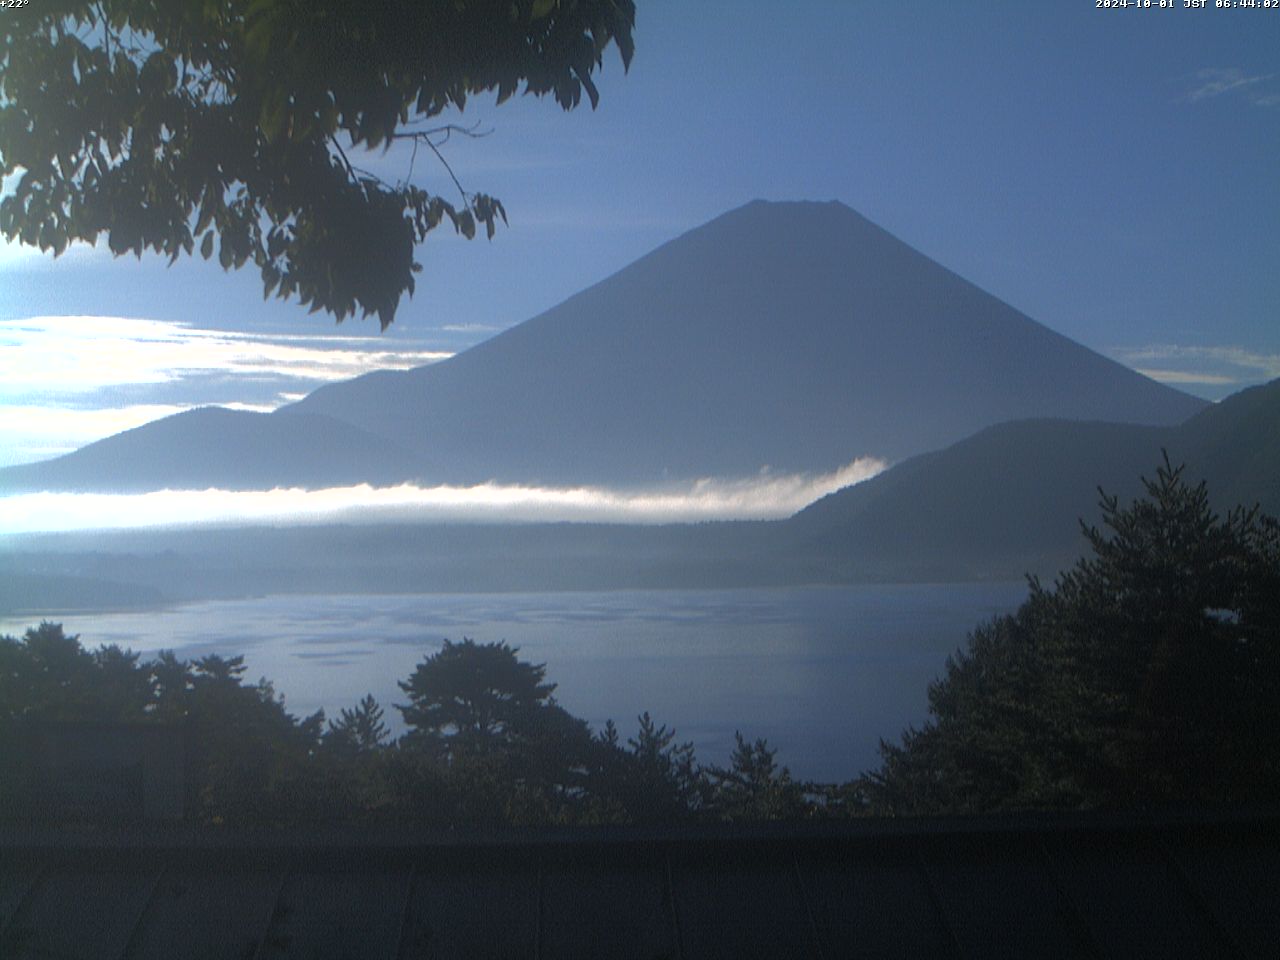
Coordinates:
[358,729]
[472,694]
[1147,676]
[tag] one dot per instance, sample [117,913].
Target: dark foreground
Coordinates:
[1026,886]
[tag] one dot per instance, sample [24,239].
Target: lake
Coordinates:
[821,672]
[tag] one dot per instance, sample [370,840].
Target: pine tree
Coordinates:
[1147,676]
[474,695]
[359,729]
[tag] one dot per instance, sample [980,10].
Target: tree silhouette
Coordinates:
[1148,676]
[163,125]
[487,745]
[654,778]
[509,753]
[359,729]
[752,787]
[249,759]
[48,675]
[474,695]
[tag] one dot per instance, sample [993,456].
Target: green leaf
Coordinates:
[146,138]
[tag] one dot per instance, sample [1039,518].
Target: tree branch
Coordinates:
[445,163]
[351,171]
[444,132]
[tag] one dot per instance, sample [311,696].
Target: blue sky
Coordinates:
[1112,173]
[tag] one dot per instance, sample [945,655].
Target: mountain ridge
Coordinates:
[995,506]
[822,386]
[1009,496]
[229,449]
[795,336]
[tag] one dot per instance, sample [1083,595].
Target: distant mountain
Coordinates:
[796,336]
[1006,500]
[229,449]
[1235,446]
[995,506]
[793,335]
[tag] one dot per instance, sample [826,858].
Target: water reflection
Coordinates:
[822,672]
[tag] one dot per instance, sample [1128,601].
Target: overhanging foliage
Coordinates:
[227,124]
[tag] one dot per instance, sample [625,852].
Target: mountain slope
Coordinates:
[794,335]
[228,449]
[1007,500]
[797,336]
[995,506]
[1235,446]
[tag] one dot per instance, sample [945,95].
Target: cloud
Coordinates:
[1217,366]
[763,496]
[1216,81]
[66,381]
[1248,363]
[1185,376]
[468,328]
[60,355]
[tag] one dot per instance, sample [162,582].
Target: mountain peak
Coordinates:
[796,335]
[792,335]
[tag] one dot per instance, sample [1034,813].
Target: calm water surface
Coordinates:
[822,672]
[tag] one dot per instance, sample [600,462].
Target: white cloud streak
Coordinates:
[1186,376]
[1216,81]
[1220,366]
[764,496]
[67,381]
[468,328]
[60,355]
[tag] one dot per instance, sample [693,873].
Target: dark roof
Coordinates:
[1076,886]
